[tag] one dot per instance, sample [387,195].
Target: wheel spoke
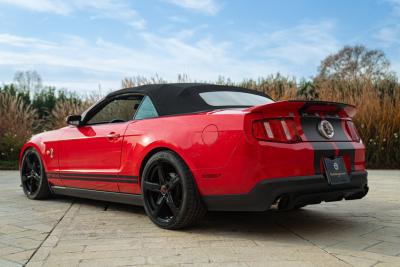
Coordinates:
[160,202]
[24,178]
[31,184]
[34,167]
[161,174]
[170,202]
[152,186]
[174,182]
[29,164]
[36,177]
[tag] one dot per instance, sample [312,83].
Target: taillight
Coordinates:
[352,131]
[276,130]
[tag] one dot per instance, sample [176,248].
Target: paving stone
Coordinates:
[385,264]
[357,243]
[35,264]
[224,264]
[394,260]
[19,257]
[357,261]
[386,248]
[6,263]
[77,232]
[113,262]
[10,250]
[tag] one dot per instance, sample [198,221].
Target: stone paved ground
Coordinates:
[75,232]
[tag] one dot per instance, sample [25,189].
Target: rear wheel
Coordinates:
[171,199]
[33,177]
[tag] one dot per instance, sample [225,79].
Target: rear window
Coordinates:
[232,98]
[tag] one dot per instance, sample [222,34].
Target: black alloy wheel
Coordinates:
[170,195]
[33,177]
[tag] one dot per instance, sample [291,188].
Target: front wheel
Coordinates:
[33,176]
[170,195]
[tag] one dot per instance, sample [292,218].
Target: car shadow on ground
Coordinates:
[326,226]
[271,221]
[238,224]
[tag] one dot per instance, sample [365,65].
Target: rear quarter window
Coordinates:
[146,110]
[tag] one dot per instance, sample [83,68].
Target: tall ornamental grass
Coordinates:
[18,123]
[377,102]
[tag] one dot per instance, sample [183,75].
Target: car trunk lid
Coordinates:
[295,121]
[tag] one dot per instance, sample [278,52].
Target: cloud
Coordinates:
[389,35]
[57,7]
[18,41]
[396,6]
[297,47]
[100,61]
[111,9]
[209,7]
[89,62]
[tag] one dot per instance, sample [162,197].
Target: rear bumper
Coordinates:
[297,191]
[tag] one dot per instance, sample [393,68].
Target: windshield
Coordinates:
[232,98]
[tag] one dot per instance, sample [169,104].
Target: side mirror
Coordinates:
[75,120]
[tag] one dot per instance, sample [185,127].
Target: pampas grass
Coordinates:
[377,119]
[65,108]
[18,122]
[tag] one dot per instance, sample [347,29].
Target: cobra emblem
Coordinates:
[325,128]
[50,152]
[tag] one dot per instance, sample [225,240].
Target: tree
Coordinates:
[11,89]
[28,81]
[307,90]
[354,62]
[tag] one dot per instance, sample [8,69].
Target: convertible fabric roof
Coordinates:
[181,98]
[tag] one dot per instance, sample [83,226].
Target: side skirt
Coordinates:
[131,199]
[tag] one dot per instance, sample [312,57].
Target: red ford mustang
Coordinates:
[182,149]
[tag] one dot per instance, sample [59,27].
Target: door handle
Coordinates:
[113,135]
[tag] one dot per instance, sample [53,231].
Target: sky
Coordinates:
[84,45]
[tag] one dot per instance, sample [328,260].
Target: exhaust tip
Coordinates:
[281,203]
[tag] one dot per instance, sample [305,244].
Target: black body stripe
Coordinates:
[347,148]
[131,181]
[323,147]
[310,128]
[322,150]
[94,177]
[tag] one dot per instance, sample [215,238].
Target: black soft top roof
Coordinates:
[181,98]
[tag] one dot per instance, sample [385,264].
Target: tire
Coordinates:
[170,195]
[33,176]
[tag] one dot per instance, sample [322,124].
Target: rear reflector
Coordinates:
[276,130]
[352,131]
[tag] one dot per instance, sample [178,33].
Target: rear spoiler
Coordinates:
[305,106]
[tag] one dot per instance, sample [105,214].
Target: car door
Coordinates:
[90,155]
[130,149]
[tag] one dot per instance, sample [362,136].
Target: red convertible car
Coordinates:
[182,149]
